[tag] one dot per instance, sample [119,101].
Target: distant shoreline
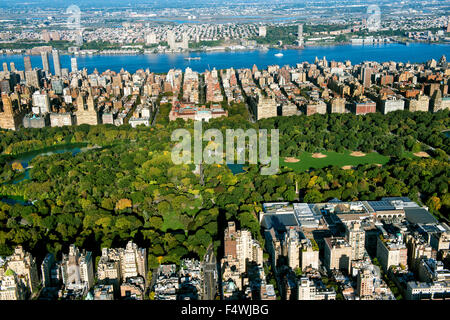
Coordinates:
[162,62]
[226,49]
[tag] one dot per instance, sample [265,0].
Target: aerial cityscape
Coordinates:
[348,102]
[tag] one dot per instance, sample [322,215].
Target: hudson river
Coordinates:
[161,63]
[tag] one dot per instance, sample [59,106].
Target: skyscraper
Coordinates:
[185,42]
[33,78]
[12,66]
[74,64]
[366,75]
[56,62]
[171,39]
[45,62]
[27,63]
[300,35]
[5,67]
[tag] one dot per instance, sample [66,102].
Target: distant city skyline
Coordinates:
[192,3]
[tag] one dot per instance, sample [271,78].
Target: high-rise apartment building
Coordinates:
[117,265]
[363,106]
[74,64]
[301,252]
[86,112]
[185,41]
[77,269]
[338,105]
[10,118]
[46,270]
[33,78]
[45,62]
[300,39]
[10,285]
[173,45]
[366,76]
[391,103]
[41,103]
[356,236]
[56,62]
[422,103]
[79,37]
[309,255]
[293,248]
[391,252]
[266,107]
[27,64]
[171,39]
[241,248]
[150,39]
[108,269]
[365,285]
[315,106]
[24,266]
[338,254]
[133,261]
[418,249]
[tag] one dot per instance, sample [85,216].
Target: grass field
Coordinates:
[171,221]
[334,159]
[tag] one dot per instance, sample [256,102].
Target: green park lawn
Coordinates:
[334,159]
[171,221]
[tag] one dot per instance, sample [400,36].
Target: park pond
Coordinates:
[25,158]
[236,168]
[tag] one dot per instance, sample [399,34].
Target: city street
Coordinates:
[210,275]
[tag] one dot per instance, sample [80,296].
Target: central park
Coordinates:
[345,160]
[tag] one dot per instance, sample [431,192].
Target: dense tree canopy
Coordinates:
[130,188]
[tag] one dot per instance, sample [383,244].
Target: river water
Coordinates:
[161,63]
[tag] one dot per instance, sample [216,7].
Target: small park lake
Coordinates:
[25,158]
